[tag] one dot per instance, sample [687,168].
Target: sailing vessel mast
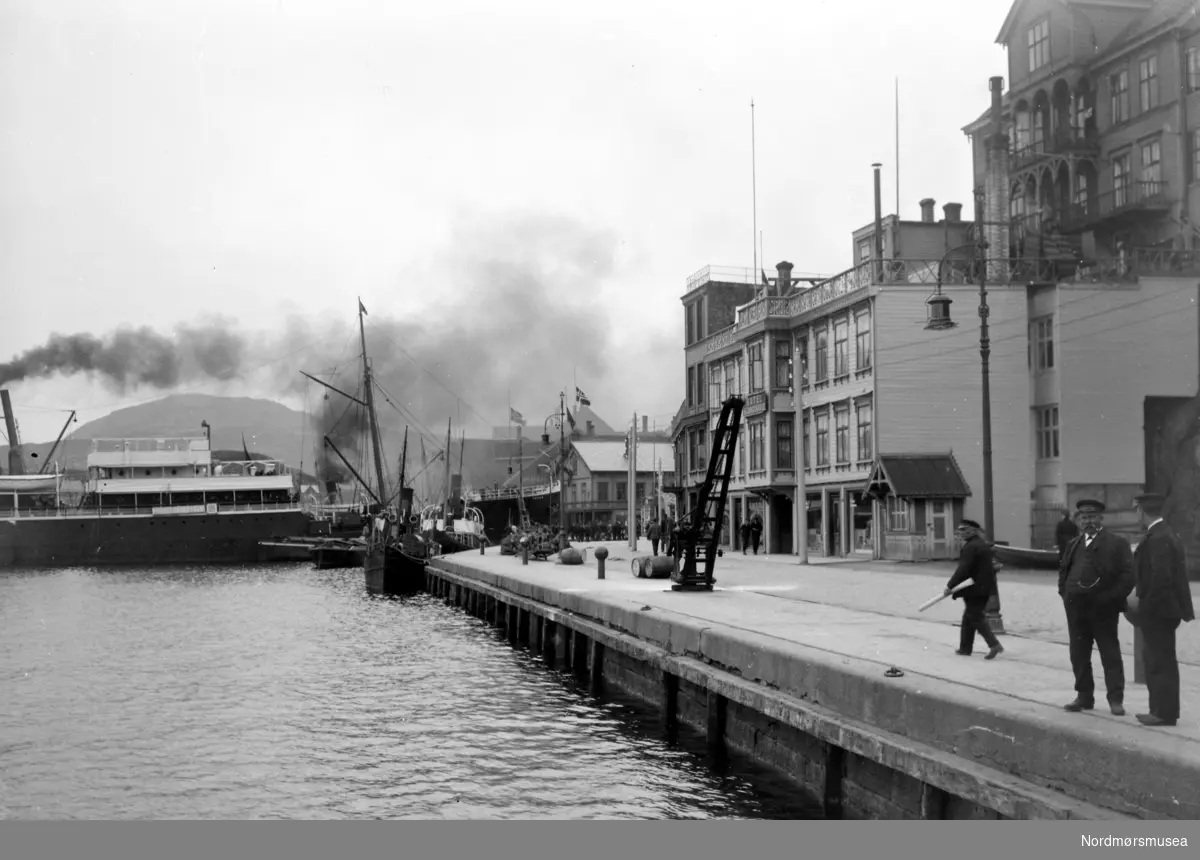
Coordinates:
[446,509]
[403,458]
[376,443]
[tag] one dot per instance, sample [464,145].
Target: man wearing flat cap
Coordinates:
[1163,599]
[975,563]
[1094,578]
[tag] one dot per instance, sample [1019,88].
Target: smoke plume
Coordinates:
[131,358]
[511,306]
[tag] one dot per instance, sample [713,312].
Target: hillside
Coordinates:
[273,430]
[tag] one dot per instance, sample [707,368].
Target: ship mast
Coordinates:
[376,444]
[446,509]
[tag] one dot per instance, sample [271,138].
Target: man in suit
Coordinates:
[975,563]
[1065,532]
[1163,599]
[1094,578]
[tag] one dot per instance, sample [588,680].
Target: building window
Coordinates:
[897,514]
[602,491]
[756,446]
[1148,82]
[821,345]
[730,370]
[1152,166]
[714,385]
[742,450]
[641,490]
[1081,189]
[783,363]
[1118,86]
[701,461]
[1195,154]
[622,487]
[1039,45]
[693,456]
[1120,173]
[700,384]
[862,418]
[783,445]
[862,340]
[1047,432]
[1041,341]
[802,357]
[841,347]
[807,434]
[822,419]
[864,251]
[1193,69]
[691,386]
[841,416]
[756,367]
[690,317]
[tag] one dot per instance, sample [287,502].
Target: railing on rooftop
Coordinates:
[1138,262]
[736,275]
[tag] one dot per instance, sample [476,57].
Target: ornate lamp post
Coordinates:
[939,319]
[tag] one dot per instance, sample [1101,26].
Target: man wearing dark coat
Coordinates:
[1163,599]
[1065,532]
[1094,578]
[975,563]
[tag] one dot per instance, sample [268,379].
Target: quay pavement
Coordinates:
[861,613]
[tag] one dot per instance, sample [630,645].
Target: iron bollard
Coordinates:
[524,551]
[481,549]
[601,553]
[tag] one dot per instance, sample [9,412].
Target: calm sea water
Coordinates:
[285,692]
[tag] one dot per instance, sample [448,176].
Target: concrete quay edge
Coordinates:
[972,743]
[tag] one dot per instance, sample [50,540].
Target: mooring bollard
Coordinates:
[524,551]
[601,553]
[481,549]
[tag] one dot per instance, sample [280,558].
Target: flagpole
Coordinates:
[897,148]
[753,185]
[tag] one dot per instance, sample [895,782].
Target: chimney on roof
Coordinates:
[783,279]
[645,423]
[927,210]
[953,212]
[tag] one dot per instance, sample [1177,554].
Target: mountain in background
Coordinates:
[274,430]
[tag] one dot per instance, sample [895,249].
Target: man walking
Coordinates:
[1163,599]
[652,533]
[975,563]
[756,530]
[745,536]
[1065,532]
[1094,578]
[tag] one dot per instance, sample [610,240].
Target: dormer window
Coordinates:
[1039,44]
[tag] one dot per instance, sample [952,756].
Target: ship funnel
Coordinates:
[16,465]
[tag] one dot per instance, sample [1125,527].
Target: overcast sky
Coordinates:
[267,159]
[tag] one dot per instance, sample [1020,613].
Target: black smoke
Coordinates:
[132,358]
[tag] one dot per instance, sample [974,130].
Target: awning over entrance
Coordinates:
[925,476]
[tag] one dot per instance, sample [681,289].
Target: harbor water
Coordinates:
[285,692]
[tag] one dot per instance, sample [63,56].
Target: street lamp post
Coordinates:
[939,318]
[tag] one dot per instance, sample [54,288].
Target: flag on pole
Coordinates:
[516,417]
[766,280]
[570,418]
[581,399]
[362,310]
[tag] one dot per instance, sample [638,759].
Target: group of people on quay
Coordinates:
[1100,578]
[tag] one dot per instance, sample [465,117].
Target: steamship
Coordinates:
[148,501]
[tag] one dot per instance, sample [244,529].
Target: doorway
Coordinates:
[939,527]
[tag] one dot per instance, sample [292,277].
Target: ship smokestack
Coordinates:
[16,465]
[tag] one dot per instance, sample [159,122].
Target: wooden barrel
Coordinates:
[638,566]
[659,566]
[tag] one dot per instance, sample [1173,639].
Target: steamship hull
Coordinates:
[390,570]
[144,539]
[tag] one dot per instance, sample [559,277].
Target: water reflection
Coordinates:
[285,692]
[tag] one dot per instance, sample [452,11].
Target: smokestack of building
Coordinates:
[927,210]
[878,220]
[993,210]
[783,279]
[953,212]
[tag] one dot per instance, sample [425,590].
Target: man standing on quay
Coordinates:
[975,562]
[1163,599]
[1094,578]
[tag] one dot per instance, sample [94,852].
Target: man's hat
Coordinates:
[1090,506]
[970,523]
[1150,499]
